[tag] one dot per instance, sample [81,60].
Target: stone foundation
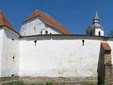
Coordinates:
[54,80]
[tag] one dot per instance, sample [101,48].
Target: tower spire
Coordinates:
[95,29]
[96,18]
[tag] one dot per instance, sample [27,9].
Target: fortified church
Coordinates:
[45,48]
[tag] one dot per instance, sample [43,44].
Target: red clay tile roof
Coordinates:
[49,20]
[106,46]
[4,21]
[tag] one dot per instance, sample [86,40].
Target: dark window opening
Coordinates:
[83,42]
[35,41]
[12,75]
[13,57]
[12,39]
[46,32]
[99,33]
[107,52]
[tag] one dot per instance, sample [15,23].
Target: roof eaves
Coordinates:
[29,19]
[63,35]
[10,29]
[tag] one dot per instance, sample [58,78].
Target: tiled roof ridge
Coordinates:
[106,46]
[4,21]
[48,20]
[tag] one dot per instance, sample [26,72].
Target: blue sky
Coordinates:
[75,15]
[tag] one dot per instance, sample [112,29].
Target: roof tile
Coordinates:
[49,20]
[4,21]
[106,46]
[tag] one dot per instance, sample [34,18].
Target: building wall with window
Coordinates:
[99,32]
[59,56]
[10,53]
[36,26]
[51,56]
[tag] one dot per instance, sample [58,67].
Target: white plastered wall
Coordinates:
[63,56]
[1,45]
[10,53]
[97,32]
[36,26]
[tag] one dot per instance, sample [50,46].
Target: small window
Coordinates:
[99,33]
[46,32]
[35,41]
[83,42]
[13,57]
[12,75]
[12,39]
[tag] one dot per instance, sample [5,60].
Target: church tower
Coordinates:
[95,29]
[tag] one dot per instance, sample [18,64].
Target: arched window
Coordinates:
[99,33]
[41,32]
[46,32]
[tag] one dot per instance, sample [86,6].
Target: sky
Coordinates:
[75,15]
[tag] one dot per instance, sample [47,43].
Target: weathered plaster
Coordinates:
[59,57]
[36,26]
[1,45]
[10,54]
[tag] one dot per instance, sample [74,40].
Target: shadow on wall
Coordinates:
[104,64]
[101,68]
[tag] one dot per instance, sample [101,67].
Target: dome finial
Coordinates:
[96,18]
[96,14]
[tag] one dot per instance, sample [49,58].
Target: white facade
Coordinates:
[59,57]
[99,32]
[10,53]
[37,26]
[50,56]
[1,45]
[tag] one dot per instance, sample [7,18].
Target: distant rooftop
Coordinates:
[4,21]
[48,20]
